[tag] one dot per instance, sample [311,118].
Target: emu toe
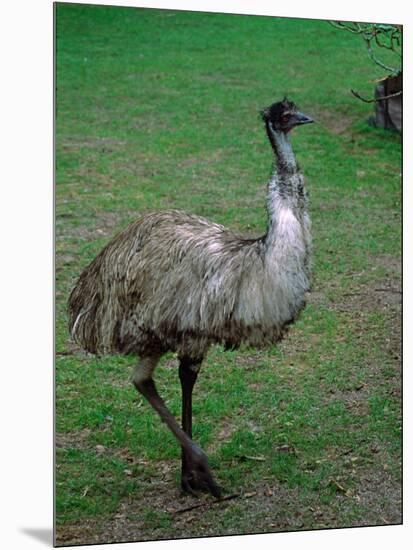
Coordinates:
[200,480]
[193,486]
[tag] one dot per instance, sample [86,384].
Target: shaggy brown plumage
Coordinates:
[176,281]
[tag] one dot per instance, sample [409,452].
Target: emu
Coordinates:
[176,281]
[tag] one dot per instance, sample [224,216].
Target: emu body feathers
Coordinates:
[176,281]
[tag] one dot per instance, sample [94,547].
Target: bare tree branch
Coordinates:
[376,99]
[392,70]
[387,37]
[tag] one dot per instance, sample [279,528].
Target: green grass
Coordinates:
[160,109]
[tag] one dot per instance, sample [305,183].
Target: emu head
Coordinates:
[283,116]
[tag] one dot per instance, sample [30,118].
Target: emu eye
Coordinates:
[285,119]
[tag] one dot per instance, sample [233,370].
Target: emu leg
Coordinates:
[197,459]
[188,372]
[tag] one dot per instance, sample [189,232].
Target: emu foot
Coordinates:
[197,477]
[194,485]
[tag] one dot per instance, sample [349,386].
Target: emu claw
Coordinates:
[196,477]
[192,486]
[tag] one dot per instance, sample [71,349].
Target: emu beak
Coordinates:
[301,118]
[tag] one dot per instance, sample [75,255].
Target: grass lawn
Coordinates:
[160,109]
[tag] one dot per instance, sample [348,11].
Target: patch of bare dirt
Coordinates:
[381,294]
[274,506]
[380,496]
[104,224]
[384,296]
[202,162]
[226,430]
[72,440]
[103,144]
[335,122]
[72,349]
[366,299]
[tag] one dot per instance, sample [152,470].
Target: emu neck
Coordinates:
[284,155]
[286,198]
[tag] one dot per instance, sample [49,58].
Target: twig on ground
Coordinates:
[395,290]
[258,458]
[208,503]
